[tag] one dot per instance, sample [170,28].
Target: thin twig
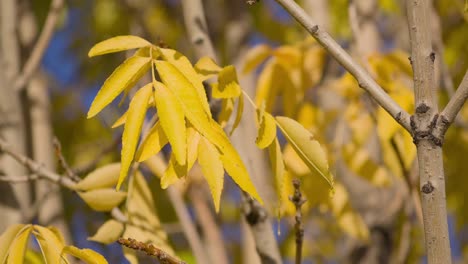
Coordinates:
[298,201]
[149,249]
[38,51]
[457,101]
[363,78]
[63,162]
[19,179]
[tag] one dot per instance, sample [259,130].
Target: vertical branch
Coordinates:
[298,201]
[429,148]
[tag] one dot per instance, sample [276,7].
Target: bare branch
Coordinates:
[365,81]
[298,201]
[38,51]
[18,179]
[149,249]
[456,102]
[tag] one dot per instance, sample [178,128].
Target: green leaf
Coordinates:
[308,149]
[117,44]
[206,68]
[109,232]
[103,177]
[152,144]
[103,200]
[6,239]
[267,129]
[212,168]
[50,244]
[255,56]
[228,85]
[19,245]
[206,126]
[184,66]
[87,255]
[123,77]
[172,119]
[132,129]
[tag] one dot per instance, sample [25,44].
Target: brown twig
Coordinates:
[63,162]
[38,51]
[298,201]
[149,249]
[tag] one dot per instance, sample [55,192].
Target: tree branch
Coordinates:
[298,201]
[456,102]
[364,80]
[38,51]
[149,249]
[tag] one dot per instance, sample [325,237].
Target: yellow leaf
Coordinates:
[193,139]
[6,240]
[206,68]
[117,44]
[19,245]
[227,107]
[277,164]
[288,56]
[103,177]
[386,124]
[120,121]
[255,56]
[309,150]
[206,126]
[267,86]
[314,60]
[156,165]
[172,119]
[50,244]
[152,144]
[212,168]
[172,173]
[183,65]
[228,85]
[239,111]
[109,232]
[267,129]
[132,129]
[87,255]
[103,200]
[123,77]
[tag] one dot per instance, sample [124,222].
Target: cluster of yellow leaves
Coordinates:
[289,72]
[143,224]
[14,242]
[185,121]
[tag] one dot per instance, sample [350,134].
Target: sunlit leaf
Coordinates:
[117,44]
[267,129]
[123,77]
[152,144]
[50,244]
[207,68]
[132,129]
[172,173]
[103,200]
[6,240]
[267,86]
[207,127]
[172,119]
[212,168]
[184,66]
[228,85]
[227,107]
[277,164]
[109,232]
[255,56]
[308,149]
[87,255]
[239,112]
[120,121]
[103,177]
[19,245]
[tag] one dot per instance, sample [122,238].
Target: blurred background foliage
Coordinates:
[234,27]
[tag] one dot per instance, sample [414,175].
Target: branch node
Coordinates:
[314,29]
[427,188]
[432,56]
[150,250]
[422,108]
